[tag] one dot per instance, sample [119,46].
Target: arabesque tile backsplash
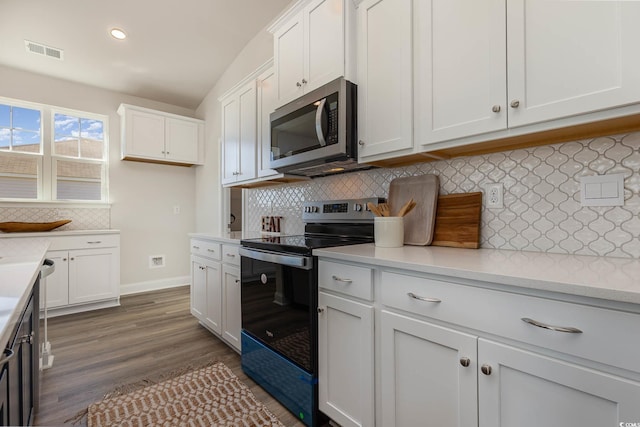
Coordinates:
[541,211]
[81,218]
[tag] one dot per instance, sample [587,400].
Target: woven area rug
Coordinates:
[211,396]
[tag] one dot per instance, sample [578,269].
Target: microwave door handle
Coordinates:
[319,122]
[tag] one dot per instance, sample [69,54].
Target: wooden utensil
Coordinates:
[384,208]
[407,207]
[458,221]
[373,208]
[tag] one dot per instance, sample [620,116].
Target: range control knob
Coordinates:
[357,207]
[314,209]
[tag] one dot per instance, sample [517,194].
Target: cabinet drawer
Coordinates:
[206,249]
[230,254]
[607,336]
[85,242]
[346,279]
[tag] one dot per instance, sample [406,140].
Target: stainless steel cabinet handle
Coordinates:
[237,280]
[195,247]
[465,361]
[9,353]
[72,258]
[168,152]
[298,84]
[95,242]
[568,329]
[163,152]
[64,259]
[515,103]
[361,143]
[496,109]
[339,279]
[304,81]
[210,250]
[230,255]
[320,310]
[414,296]
[486,369]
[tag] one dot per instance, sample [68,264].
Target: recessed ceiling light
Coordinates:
[117,33]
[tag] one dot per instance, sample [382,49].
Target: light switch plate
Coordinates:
[602,190]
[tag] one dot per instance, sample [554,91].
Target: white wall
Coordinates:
[142,194]
[209,194]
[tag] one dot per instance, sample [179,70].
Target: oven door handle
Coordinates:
[302,262]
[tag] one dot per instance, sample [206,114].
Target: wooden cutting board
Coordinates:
[423,189]
[457,222]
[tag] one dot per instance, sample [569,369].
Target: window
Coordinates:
[64,161]
[20,151]
[78,157]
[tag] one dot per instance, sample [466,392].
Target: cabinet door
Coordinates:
[385,76]
[460,77]
[144,135]
[232,322]
[248,134]
[324,40]
[422,374]
[266,94]
[181,142]
[230,140]
[56,285]
[198,289]
[345,360]
[571,57]
[213,298]
[525,389]
[93,275]
[288,44]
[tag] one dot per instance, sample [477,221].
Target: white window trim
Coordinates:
[46,178]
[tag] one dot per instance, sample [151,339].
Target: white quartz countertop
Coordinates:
[20,262]
[615,279]
[58,233]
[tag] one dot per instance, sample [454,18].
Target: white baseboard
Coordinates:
[154,285]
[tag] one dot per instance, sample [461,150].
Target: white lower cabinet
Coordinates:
[232,323]
[206,291]
[428,372]
[524,389]
[86,275]
[470,354]
[345,342]
[215,288]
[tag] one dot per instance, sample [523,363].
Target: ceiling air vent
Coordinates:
[40,49]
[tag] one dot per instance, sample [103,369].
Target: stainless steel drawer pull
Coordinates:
[231,255]
[340,279]
[568,329]
[414,296]
[210,250]
[96,242]
[195,247]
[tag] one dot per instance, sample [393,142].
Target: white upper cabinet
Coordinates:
[155,136]
[385,77]
[311,46]
[266,91]
[500,69]
[571,57]
[239,134]
[460,74]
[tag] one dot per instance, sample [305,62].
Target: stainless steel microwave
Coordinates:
[316,134]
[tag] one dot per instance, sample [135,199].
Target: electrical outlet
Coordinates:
[494,196]
[176,210]
[156,261]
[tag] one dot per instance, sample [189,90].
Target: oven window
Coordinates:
[296,132]
[276,308]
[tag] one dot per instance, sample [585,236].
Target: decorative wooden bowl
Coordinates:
[26,227]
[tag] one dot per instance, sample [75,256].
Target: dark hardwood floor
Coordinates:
[150,336]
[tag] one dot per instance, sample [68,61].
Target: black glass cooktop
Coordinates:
[316,235]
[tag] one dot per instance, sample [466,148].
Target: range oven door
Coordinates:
[279,301]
